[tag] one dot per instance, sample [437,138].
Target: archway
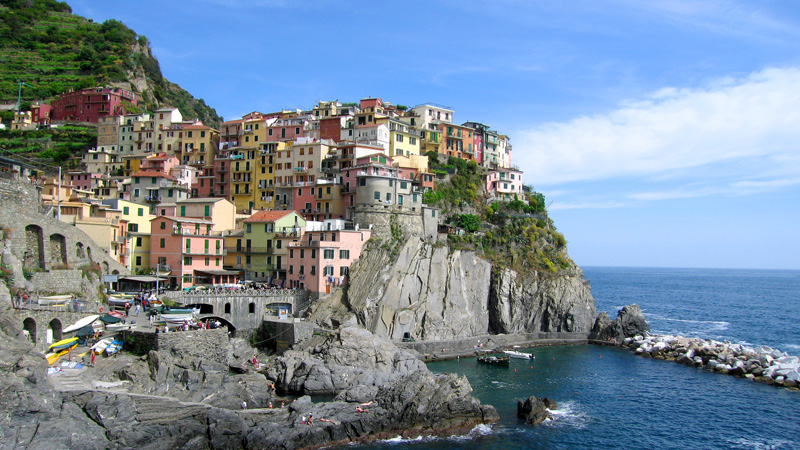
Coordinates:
[53,331]
[29,325]
[58,249]
[223,322]
[227,308]
[34,247]
[105,267]
[80,253]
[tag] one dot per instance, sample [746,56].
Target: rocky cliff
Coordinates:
[435,293]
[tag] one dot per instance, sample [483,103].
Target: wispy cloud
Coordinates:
[675,131]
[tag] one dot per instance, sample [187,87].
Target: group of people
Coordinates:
[207,324]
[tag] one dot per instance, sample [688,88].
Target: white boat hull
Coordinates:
[518,355]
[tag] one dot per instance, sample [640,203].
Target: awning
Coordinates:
[220,272]
[146,278]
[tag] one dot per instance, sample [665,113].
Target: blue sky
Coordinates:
[662,133]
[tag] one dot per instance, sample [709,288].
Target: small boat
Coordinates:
[519,355]
[117,326]
[494,360]
[54,356]
[81,323]
[116,314]
[64,343]
[184,311]
[101,345]
[55,300]
[113,347]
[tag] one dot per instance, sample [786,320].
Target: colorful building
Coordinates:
[88,105]
[504,184]
[321,260]
[266,238]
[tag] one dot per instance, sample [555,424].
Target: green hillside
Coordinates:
[44,45]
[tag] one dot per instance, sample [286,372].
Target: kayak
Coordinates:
[53,357]
[64,343]
[80,324]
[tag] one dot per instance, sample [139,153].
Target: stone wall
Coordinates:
[204,344]
[41,320]
[42,242]
[382,216]
[243,311]
[286,333]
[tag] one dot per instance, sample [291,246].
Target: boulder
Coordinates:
[630,322]
[534,410]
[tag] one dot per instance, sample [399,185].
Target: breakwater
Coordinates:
[759,363]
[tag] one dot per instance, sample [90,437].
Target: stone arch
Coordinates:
[58,249]
[29,325]
[34,247]
[251,308]
[54,331]
[115,272]
[105,267]
[227,308]
[223,321]
[80,251]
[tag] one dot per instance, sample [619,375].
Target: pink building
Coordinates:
[504,184]
[192,254]
[321,260]
[88,105]
[83,180]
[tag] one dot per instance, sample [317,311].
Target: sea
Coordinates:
[609,398]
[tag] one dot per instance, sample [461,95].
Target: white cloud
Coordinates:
[728,122]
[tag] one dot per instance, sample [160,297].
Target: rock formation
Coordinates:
[629,322]
[535,410]
[435,293]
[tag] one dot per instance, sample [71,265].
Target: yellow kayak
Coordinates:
[53,357]
[63,343]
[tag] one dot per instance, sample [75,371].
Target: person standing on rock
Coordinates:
[244,404]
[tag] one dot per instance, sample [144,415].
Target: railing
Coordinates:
[68,306]
[266,250]
[205,252]
[298,295]
[188,232]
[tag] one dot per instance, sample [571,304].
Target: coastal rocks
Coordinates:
[629,322]
[535,410]
[350,357]
[760,363]
[423,290]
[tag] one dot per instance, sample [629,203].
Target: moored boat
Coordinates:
[101,345]
[54,300]
[518,355]
[81,323]
[494,360]
[64,343]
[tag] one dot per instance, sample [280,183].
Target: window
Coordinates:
[187,261]
[399,199]
[388,196]
[278,243]
[141,212]
[291,269]
[302,253]
[138,260]
[183,210]
[362,181]
[399,138]
[133,227]
[251,308]
[188,245]
[163,243]
[377,195]
[329,254]
[344,254]
[208,260]
[126,210]
[313,270]
[403,185]
[249,228]
[138,241]
[328,271]
[302,270]
[227,308]
[163,225]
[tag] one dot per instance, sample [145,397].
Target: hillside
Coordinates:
[46,46]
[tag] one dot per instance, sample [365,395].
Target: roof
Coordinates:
[267,216]
[201,200]
[184,219]
[153,173]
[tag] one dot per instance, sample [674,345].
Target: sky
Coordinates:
[662,133]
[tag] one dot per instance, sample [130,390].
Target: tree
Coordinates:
[469,222]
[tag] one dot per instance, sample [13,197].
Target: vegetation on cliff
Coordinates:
[61,146]
[516,234]
[44,45]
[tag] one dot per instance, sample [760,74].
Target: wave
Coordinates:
[479,430]
[718,325]
[767,444]
[568,414]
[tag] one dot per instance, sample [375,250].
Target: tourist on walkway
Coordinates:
[137,308]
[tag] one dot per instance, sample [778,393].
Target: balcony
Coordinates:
[178,231]
[204,252]
[300,170]
[262,250]
[152,198]
[304,244]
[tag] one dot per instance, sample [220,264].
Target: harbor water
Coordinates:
[610,398]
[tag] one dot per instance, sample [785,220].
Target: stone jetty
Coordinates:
[759,363]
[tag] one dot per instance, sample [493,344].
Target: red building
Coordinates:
[40,114]
[88,105]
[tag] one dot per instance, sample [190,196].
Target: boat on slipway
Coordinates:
[518,355]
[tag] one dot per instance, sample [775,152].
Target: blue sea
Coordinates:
[608,398]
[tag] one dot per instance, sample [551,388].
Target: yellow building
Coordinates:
[403,138]
[139,248]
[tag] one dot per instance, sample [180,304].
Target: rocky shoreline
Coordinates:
[762,363]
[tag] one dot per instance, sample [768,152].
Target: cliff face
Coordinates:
[435,293]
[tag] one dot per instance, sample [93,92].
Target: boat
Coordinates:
[81,323]
[64,343]
[55,300]
[494,360]
[116,314]
[117,326]
[184,311]
[113,347]
[54,356]
[518,355]
[101,345]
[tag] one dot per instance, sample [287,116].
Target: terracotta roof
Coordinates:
[153,173]
[268,216]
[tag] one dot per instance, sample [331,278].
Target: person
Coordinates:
[255,360]
[283,403]
[368,403]
[93,357]
[322,419]
[270,405]
[127,307]
[311,420]
[244,404]
[359,409]
[137,308]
